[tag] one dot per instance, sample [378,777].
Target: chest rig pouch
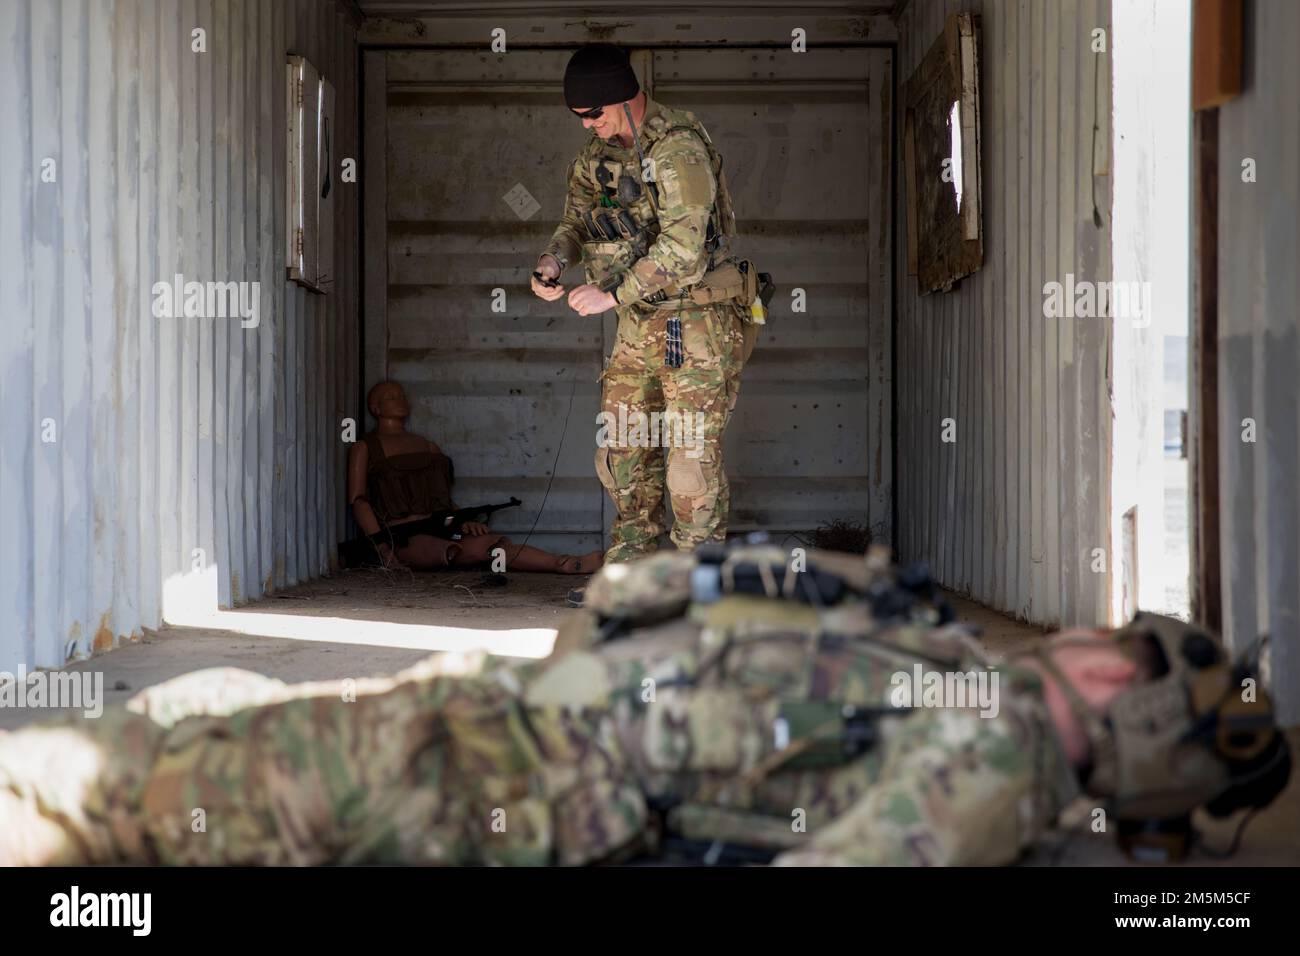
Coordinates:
[620,225]
[829,733]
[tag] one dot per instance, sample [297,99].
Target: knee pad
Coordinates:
[685,475]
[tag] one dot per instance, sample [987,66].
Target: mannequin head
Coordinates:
[388,400]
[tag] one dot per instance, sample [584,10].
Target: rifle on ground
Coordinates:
[364,549]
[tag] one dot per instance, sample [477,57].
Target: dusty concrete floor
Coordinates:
[465,600]
[450,600]
[997,632]
[470,601]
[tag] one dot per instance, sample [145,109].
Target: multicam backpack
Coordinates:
[622,597]
[732,674]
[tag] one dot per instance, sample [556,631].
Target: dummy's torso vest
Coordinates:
[406,485]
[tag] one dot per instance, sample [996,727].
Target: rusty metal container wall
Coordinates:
[1011,513]
[1259,352]
[513,394]
[145,456]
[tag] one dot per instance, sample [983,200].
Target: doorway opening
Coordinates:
[1150,309]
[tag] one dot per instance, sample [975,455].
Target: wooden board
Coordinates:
[943,182]
[1217,52]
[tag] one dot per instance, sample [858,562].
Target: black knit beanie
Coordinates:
[599,75]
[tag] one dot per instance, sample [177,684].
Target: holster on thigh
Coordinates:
[750,332]
[604,471]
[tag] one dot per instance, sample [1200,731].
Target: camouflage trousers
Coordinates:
[414,769]
[666,426]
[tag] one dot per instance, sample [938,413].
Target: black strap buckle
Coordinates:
[715,852]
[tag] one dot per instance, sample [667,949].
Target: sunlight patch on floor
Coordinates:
[530,642]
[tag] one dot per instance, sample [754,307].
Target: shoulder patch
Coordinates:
[683,170]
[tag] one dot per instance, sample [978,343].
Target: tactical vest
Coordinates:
[624,222]
[414,483]
[722,219]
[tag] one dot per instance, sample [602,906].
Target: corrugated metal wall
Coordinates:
[806,142]
[170,435]
[1259,349]
[1011,512]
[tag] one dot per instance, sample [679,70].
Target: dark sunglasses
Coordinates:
[590,114]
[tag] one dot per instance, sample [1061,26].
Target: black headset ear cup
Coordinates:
[1200,651]
[1257,782]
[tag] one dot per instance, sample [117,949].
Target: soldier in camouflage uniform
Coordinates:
[647,214]
[691,705]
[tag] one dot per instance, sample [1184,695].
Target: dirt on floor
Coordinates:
[481,602]
[471,599]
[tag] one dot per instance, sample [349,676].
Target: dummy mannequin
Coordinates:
[395,477]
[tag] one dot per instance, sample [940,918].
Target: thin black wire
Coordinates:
[554,464]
